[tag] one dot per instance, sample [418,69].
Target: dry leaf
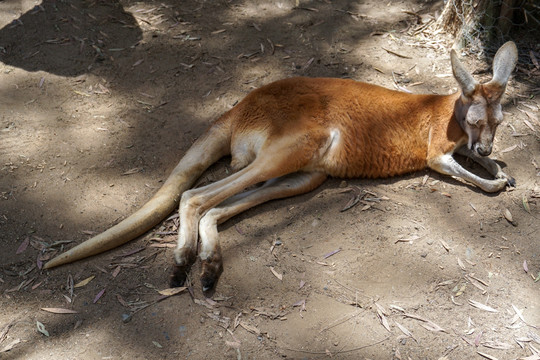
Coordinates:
[529,125]
[172,291]
[477,338]
[84,282]
[331,253]
[395,53]
[431,326]
[132,171]
[404,330]
[481,306]
[487,356]
[80,93]
[444,283]
[470,262]
[122,301]
[479,287]
[5,330]
[116,271]
[445,245]
[514,319]
[10,345]
[519,313]
[276,274]
[60,311]
[508,149]
[471,275]
[205,304]
[531,357]
[497,345]
[383,320]
[409,239]
[427,324]
[98,296]
[352,202]
[23,246]
[381,308]
[525,203]
[455,302]
[224,321]
[532,116]
[251,329]
[508,216]
[534,336]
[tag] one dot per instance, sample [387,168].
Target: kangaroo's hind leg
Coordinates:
[210,251]
[196,202]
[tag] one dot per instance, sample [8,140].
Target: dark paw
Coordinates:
[211,270]
[178,277]
[208,283]
[511,181]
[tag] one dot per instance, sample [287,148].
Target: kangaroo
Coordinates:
[290,135]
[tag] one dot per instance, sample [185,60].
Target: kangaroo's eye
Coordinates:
[473,121]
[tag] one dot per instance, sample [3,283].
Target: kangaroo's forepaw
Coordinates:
[511,181]
[211,270]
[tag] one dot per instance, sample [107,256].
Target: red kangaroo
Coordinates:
[290,135]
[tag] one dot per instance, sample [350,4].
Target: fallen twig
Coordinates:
[397,54]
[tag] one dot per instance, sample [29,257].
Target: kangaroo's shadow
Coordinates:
[68,37]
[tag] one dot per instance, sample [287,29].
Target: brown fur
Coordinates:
[383,132]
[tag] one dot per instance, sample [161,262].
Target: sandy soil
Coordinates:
[100,99]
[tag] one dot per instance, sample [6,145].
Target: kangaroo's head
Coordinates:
[478,111]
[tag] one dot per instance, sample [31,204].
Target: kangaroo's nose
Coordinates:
[483,150]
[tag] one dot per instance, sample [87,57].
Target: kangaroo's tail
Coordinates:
[213,145]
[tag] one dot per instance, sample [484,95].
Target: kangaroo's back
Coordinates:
[363,130]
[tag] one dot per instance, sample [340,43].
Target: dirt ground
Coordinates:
[100,99]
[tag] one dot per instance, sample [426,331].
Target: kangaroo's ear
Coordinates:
[504,62]
[464,79]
